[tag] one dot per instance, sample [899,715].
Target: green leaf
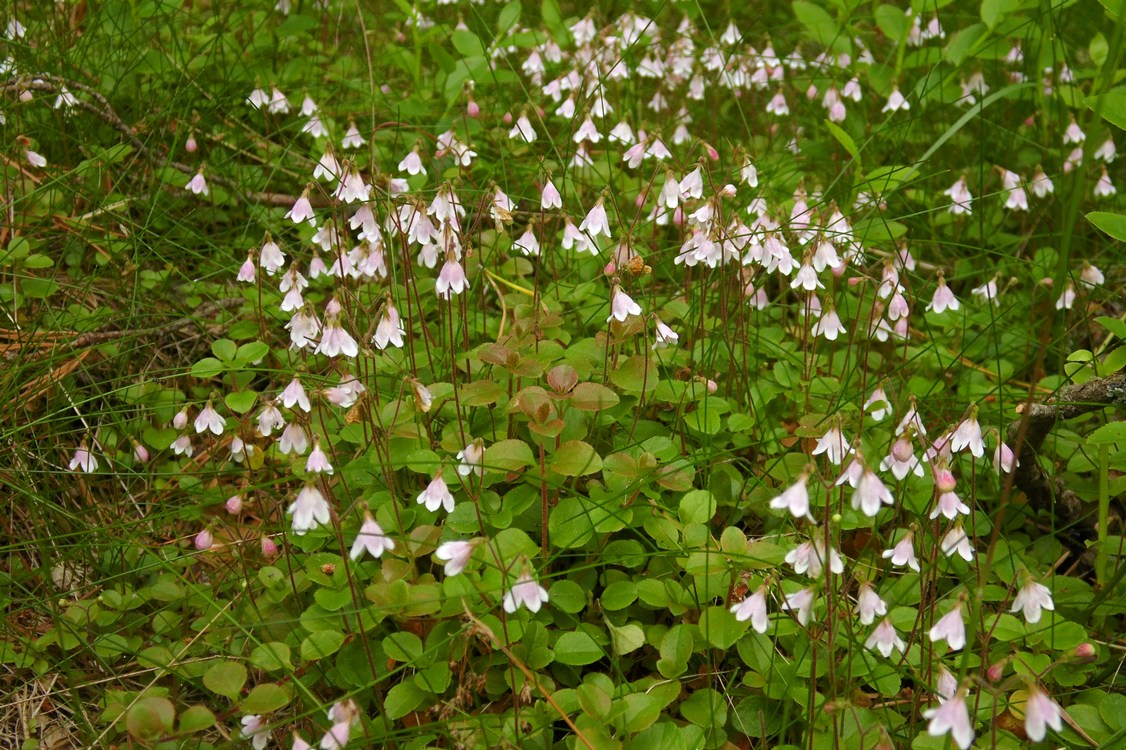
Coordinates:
[822,28]
[36,261]
[480,393]
[1115,432]
[676,649]
[196,719]
[321,644]
[720,628]
[150,718]
[1112,224]
[1111,106]
[240,402]
[402,646]
[508,455]
[697,506]
[593,397]
[467,43]
[271,656]
[995,11]
[402,699]
[251,353]
[507,18]
[224,349]
[635,375]
[618,595]
[893,22]
[225,678]
[627,638]
[577,648]
[845,140]
[567,596]
[265,698]
[1114,325]
[705,707]
[575,459]
[207,368]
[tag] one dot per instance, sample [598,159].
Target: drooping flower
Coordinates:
[550,197]
[317,462]
[1066,300]
[293,439]
[209,419]
[471,458]
[622,306]
[943,299]
[812,556]
[960,195]
[294,395]
[270,256]
[828,325]
[1031,599]
[596,221]
[795,498]
[896,101]
[834,445]
[255,730]
[870,494]
[1004,460]
[1041,712]
[949,504]
[437,495]
[878,405]
[901,459]
[903,553]
[968,436]
[869,605]
[196,185]
[753,608]
[950,628]
[352,138]
[885,640]
[525,592]
[451,279]
[309,510]
[455,555]
[953,717]
[802,603]
[370,539]
[665,336]
[957,541]
[302,210]
[389,330]
[83,460]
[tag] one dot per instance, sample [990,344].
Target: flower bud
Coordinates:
[269,549]
[140,453]
[190,145]
[712,386]
[507,118]
[472,109]
[234,504]
[204,540]
[995,671]
[1085,653]
[610,269]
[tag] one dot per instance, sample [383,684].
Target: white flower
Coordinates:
[1041,712]
[1031,598]
[968,436]
[665,336]
[302,210]
[896,102]
[903,553]
[550,197]
[255,730]
[753,608]
[943,299]
[318,462]
[952,716]
[182,446]
[471,457]
[958,541]
[869,605]
[294,395]
[596,221]
[389,330]
[622,306]
[370,538]
[437,495]
[802,602]
[412,163]
[196,185]
[270,257]
[834,445]
[950,628]
[828,325]
[960,195]
[794,498]
[870,494]
[258,98]
[527,592]
[293,439]
[880,401]
[309,510]
[523,130]
[885,640]
[84,460]
[451,279]
[209,419]
[455,554]
[352,138]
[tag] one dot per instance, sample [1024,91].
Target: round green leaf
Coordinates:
[150,718]
[321,644]
[577,648]
[265,698]
[575,459]
[225,678]
[271,656]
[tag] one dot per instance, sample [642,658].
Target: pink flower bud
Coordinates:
[190,145]
[712,153]
[855,280]
[1030,121]
[639,201]
[995,672]
[1085,653]
[234,504]
[140,452]
[539,112]
[712,386]
[204,540]
[269,549]
[610,269]
[944,480]
[507,118]
[472,109]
